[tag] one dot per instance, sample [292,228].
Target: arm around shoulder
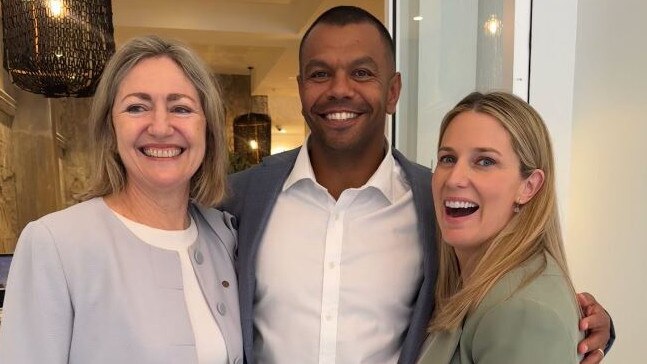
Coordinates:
[38,314]
[523,331]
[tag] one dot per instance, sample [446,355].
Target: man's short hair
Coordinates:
[345,15]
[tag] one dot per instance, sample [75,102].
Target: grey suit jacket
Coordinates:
[535,324]
[83,289]
[252,197]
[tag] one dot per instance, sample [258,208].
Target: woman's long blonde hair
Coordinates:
[535,229]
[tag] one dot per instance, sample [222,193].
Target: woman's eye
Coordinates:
[446,159]
[135,109]
[485,162]
[181,110]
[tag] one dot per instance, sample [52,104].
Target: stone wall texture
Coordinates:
[8,212]
[235,91]
[36,162]
[70,115]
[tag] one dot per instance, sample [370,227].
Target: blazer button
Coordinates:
[198,257]
[222,309]
[225,284]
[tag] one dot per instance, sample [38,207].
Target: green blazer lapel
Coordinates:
[441,347]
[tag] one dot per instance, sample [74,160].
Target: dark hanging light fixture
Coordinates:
[57,48]
[252,132]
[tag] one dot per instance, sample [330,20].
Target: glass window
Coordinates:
[447,49]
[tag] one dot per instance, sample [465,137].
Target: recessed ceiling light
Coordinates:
[417,18]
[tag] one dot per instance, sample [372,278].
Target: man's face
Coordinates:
[347,86]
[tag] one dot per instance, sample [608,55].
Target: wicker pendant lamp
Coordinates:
[252,132]
[57,48]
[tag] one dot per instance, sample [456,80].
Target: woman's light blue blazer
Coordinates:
[83,289]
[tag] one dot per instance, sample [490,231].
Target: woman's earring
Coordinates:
[517,207]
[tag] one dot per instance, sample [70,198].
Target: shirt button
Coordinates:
[331,265]
[222,309]
[233,222]
[198,257]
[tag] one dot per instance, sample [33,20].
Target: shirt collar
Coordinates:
[302,169]
[382,179]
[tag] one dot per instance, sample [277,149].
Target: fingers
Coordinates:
[597,323]
[594,315]
[595,339]
[595,318]
[594,357]
[585,299]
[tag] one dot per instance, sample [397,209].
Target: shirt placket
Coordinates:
[331,281]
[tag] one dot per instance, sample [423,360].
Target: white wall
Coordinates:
[589,81]
[554,25]
[608,192]
[286,113]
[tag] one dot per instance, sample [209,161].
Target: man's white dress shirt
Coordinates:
[337,280]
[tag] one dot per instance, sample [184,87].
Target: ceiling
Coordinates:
[232,35]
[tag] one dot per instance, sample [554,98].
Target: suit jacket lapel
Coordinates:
[264,187]
[419,179]
[263,191]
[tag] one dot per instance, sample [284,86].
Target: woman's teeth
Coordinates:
[460,208]
[459,204]
[162,152]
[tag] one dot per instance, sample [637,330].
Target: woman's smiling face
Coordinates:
[159,125]
[476,183]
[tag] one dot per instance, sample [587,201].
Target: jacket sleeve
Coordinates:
[38,312]
[612,336]
[523,331]
[236,187]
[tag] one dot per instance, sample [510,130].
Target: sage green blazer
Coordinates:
[536,324]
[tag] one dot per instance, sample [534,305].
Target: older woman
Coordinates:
[141,272]
[503,293]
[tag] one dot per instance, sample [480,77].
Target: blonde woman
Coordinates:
[503,294]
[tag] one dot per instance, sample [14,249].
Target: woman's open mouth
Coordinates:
[460,208]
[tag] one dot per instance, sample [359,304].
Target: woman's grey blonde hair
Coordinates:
[207,186]
[533,231]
